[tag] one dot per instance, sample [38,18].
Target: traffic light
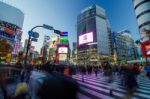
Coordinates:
[57,32]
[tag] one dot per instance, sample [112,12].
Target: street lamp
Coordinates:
[32,34]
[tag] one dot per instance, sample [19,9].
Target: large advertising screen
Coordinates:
[63,50]
[86,38]
[62,57]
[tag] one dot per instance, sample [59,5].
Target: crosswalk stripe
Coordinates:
[81,96]
[101,84]
[101,96]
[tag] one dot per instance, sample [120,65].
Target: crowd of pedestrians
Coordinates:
[128,73]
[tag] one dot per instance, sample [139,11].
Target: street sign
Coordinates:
[63,38]
[34,39]
[46,37]
[63,33]
[35,35]
[48,27]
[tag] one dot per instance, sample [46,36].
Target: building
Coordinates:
[93,35]
[52,47]
[142,12]
[131,48]
[74,53]
[120,47]
[11,22]
[124,46]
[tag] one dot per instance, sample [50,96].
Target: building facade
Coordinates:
[11,22]
[142,12]
[120,47]
[74,53]
[124,46]
[93,35]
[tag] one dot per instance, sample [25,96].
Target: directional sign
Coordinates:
[63,33]
[35,35]
[63,38]
[34,39]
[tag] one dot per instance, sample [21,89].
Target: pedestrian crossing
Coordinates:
[98,88]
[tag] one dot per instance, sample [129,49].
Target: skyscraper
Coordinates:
[93,31]
[142,11]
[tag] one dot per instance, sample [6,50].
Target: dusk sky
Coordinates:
[62,15]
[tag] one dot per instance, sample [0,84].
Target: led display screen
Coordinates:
[86,38]
[63,50]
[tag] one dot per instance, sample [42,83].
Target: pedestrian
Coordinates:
[130,80]
[83,72]
[58,86]
[96,70]
[3,85]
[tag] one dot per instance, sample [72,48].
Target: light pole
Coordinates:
[31,33]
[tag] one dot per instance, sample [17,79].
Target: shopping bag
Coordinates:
[21,88]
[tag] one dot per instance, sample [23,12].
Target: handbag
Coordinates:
[21,88]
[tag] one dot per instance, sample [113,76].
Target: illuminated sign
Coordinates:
[86,38]
[9,31]
[145,46]
[55,38]
[63,33]
[62,57]
[63,38]
[63,50]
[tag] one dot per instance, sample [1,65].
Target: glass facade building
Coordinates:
[93,19]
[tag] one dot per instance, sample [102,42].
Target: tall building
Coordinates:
[120,47]
[74,53]
[93,35]
[124,46]
[142,11]
[131,48]
[11,23]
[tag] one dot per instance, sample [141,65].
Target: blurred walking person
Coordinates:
[96,70]
[3,85]
[83,72]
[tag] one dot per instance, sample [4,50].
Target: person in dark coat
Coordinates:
[96,70]
[130,80]
[58,86]
[83,72]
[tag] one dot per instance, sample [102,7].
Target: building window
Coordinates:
[145,23]
[144,1]
[144,12]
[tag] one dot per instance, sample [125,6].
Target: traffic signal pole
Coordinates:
[29,38]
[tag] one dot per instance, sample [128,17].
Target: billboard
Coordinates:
[62,57]
[62,50]
[145,46]
[55,38]
[86,38]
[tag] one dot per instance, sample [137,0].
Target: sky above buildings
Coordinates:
[62,15]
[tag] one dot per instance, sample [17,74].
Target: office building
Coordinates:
[93,35]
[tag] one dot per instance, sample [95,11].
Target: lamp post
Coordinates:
[31,35]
